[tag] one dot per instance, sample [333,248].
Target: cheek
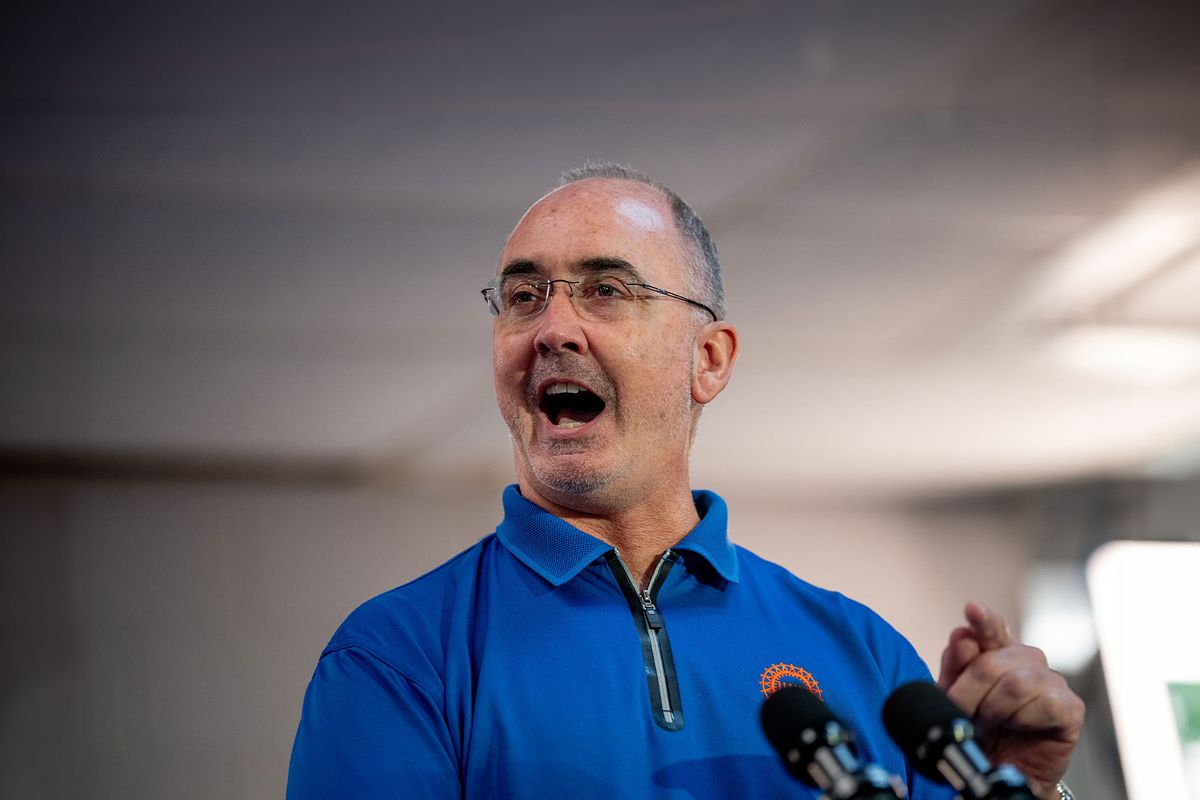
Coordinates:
[506,376]
[662,349]
[665,380]
[505,359]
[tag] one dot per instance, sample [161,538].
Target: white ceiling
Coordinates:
[254,234]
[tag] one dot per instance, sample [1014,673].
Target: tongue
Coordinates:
[574,417]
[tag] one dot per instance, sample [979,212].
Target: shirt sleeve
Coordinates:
[367,731]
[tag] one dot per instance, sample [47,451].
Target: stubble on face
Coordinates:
[583,468]
[560,472]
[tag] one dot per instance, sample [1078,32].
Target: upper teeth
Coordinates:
[563,388]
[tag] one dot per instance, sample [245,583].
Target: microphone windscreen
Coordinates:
[789,712]
[786,715]
[912,712]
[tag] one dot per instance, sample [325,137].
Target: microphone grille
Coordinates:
[786,715]
[912,712]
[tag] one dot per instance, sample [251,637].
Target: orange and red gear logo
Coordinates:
[777,676]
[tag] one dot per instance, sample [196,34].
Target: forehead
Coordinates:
[596,219]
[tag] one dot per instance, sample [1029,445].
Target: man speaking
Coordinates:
[608,641]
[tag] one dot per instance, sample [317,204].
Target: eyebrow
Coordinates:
[593,264]
[610,264]
[520,268]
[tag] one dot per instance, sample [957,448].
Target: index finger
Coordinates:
[989,628]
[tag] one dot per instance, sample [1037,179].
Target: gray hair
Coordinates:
[704,274]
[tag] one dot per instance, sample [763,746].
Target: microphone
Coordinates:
[938,738]
[819,750]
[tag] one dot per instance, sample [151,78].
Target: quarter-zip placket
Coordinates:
[656,647]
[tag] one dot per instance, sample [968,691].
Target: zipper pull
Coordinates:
[653,618]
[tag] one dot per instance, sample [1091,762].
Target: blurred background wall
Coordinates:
[246,371]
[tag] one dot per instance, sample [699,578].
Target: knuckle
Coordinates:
[1021,682]
[1070,707]
[987,667]
[1034,654]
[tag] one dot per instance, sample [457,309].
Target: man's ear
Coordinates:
[716,350]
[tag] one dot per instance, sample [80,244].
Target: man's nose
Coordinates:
[559,325]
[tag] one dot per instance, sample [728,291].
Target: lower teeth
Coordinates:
[569,423]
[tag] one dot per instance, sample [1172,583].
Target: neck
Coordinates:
[642,536]
[641,533]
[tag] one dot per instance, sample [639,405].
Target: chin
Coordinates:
[577,480]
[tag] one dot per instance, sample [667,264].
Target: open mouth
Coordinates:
[569,405]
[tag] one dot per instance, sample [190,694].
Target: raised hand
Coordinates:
[1024,712]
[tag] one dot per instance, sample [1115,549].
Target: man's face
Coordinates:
[627,429]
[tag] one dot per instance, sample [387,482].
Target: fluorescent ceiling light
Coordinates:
[1171,297]
[1156,229]
[1146,356]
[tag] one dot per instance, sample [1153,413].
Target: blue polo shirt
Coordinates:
[530,666]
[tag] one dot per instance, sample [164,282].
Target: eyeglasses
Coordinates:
[598,297]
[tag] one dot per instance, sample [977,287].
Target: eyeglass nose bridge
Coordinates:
[549,285]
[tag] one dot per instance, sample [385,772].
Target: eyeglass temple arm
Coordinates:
[689,300]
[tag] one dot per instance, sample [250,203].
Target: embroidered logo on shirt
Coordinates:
[777,676]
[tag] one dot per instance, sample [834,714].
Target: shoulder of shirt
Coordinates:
[408,623]
[856,625]
[812,599]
